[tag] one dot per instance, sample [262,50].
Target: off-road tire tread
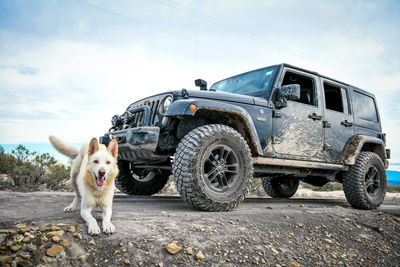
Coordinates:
[130,186]
[353,182]
[275,191]
[184,167]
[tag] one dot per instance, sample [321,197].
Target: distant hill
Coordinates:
[393,176]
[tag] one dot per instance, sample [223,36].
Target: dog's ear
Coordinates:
[113,148]
[93,146]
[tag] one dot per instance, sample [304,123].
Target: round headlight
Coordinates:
[165,104]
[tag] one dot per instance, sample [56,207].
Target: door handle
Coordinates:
[346,123]
[315,117]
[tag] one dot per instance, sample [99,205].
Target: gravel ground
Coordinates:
[262,231]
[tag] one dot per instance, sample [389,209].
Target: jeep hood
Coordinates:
[222,96]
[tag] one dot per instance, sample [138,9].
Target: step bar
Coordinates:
[298,164]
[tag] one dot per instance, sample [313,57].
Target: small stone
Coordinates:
[55,228]
[290,235]
[3,237]
[380,229]
[91,242]
[390,220]
[116,252]
[386,251]
[351,255]
[4,259]
[301,206]
[47,259]
[18,238]
[71,229]
[328,241]
[274,251]
[173,248]
[189,250]
[127,261]
[380,213]
[121,244]
[43,228]
[65,243]
[61,256]
[200,255]
[16,247]
[26,239]
[124,250]
[84,257]
[55,239]
[55,233]
[23,230]
[294,264]
[20,225]
[25,255]
[13,232]
[78,235]
[54,250]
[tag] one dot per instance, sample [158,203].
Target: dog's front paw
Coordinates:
[69,209]
[93,228]
[108,228]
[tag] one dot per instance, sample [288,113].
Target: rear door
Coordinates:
[338,122]
[297,128]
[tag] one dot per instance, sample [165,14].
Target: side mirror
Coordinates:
[286,92]
[201,83]
[291,91]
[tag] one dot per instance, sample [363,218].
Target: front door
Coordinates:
[338,120]
[297,128]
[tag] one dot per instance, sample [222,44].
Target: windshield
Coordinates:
[254,83]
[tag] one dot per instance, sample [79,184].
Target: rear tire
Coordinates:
[364,184]
[280,187]
[134,181]
[212,168]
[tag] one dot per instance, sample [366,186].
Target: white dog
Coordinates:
[94,169]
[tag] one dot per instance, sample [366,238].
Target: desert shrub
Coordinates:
[31,171]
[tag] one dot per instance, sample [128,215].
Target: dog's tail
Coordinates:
[64,148]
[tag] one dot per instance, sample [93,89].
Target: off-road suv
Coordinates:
[281,123]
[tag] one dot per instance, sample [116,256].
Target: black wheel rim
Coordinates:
[372,182]
[220,168]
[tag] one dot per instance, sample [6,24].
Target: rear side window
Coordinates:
[364,107]
[336,98]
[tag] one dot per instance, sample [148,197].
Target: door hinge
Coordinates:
[276,140]
[325,147]
[326,124]
[276,114]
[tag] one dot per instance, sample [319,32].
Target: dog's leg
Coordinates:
[74,177]
[108,227]
[86,213]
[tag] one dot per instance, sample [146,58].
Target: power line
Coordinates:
[250,35]
[166,30]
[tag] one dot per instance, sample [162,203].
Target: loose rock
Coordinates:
[173,248]
[54,250]
[55,239]
[189,250]
[200,255]
[294,264]
[127,261]
[65,243]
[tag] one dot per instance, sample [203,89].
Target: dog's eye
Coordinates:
[108,162]
[96,161]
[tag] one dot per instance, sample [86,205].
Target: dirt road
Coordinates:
[264,231]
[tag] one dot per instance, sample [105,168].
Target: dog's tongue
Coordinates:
[100,181]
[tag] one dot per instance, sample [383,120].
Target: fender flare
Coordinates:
[355,144]
[182,108]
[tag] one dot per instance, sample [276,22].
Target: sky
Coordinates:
[66,67]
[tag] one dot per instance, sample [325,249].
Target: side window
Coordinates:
[364,107]
[307,87]
[336,98]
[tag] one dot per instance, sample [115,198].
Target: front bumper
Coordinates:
[135,144]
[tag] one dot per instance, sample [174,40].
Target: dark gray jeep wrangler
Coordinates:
[281,123]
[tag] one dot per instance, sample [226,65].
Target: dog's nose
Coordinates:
[102,172]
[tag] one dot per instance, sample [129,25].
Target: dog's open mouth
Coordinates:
[100,179]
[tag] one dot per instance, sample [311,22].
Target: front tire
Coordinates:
[212,168]
[364,184]
[280,187]
[133,181]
